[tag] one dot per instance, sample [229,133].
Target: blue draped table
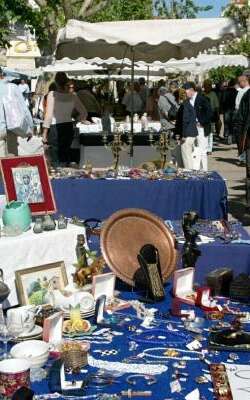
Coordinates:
[160,390]
[168,199]
[214,255]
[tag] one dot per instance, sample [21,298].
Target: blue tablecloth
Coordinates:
[87,198]
[213,255]
[161,390]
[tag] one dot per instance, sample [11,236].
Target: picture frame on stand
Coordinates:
[35,285]
[26,179]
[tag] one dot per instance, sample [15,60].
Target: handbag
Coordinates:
[17,115]
[173,111]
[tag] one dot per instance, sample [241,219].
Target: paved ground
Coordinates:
[224,160]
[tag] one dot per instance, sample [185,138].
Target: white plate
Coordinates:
[37,330]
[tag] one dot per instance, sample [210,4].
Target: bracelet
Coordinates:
[150,380]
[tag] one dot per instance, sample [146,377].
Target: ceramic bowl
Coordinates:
[36,351]
[14,373]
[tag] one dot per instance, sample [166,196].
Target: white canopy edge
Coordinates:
[151,40]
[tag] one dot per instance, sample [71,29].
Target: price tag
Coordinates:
[175,386]
[194,345]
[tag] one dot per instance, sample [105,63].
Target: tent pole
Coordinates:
[131,150]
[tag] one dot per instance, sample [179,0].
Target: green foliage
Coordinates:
[179,9]
[242,16]
[124,10]
[221,74]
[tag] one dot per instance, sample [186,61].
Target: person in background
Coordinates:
[152,105]
[8,139]
[58,129]
[214,103]
[228,99]
[243,82]
[144,93]
[132,99]
[25,90]
[89,101]
[71,86]
[242,123]
[195,123]
[165,102]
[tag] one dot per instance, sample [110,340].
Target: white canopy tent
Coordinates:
[148,41]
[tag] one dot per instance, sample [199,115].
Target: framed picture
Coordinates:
[26,179]
[34,285]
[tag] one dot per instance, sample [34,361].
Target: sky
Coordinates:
[217,6]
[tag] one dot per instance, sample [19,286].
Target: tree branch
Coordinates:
[41,3]
[85,7]
[95,9]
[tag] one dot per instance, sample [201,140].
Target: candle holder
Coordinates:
[163,146]
[116,146]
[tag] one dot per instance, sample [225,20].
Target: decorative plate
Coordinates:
[124,234]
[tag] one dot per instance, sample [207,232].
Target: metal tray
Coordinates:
[124,234]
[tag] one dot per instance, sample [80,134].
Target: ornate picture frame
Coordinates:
[35,284]
[26,179]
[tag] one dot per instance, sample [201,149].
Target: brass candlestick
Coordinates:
[116,146]
[162,145]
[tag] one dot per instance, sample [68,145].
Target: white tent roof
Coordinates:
[204,62]
[76,67]
[152,40]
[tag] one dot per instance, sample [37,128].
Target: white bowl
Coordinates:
[14,366]
[30,349]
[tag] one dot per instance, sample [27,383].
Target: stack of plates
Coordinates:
[84,314]
[35,333]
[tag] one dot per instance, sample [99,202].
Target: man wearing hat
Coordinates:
[195,128]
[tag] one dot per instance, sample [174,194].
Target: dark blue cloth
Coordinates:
[213,255]
[88,198]
[161,390]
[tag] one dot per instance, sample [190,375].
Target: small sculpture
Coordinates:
[84,274]
[62,222]
[38,227]
[191,252]
[48,223]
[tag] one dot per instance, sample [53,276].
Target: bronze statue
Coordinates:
[190,252]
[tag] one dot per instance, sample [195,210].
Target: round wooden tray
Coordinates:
[124,234]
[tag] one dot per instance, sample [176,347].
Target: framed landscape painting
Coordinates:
[34,285]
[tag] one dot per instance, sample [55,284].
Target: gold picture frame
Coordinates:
[34,284]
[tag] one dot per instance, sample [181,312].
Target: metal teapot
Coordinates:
[4,289]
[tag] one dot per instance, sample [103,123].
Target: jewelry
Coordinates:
[242,377]
[170,351]
[150,380]
[201,379]
[158,336]
[127,368]
[111,352]
[233,356]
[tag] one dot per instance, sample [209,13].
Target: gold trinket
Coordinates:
[171,353]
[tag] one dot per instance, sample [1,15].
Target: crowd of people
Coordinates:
[196,114]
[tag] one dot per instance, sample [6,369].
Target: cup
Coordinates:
[14,373]
[24,316]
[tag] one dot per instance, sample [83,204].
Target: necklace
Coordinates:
[159,336]
[243,371]
[170,353]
